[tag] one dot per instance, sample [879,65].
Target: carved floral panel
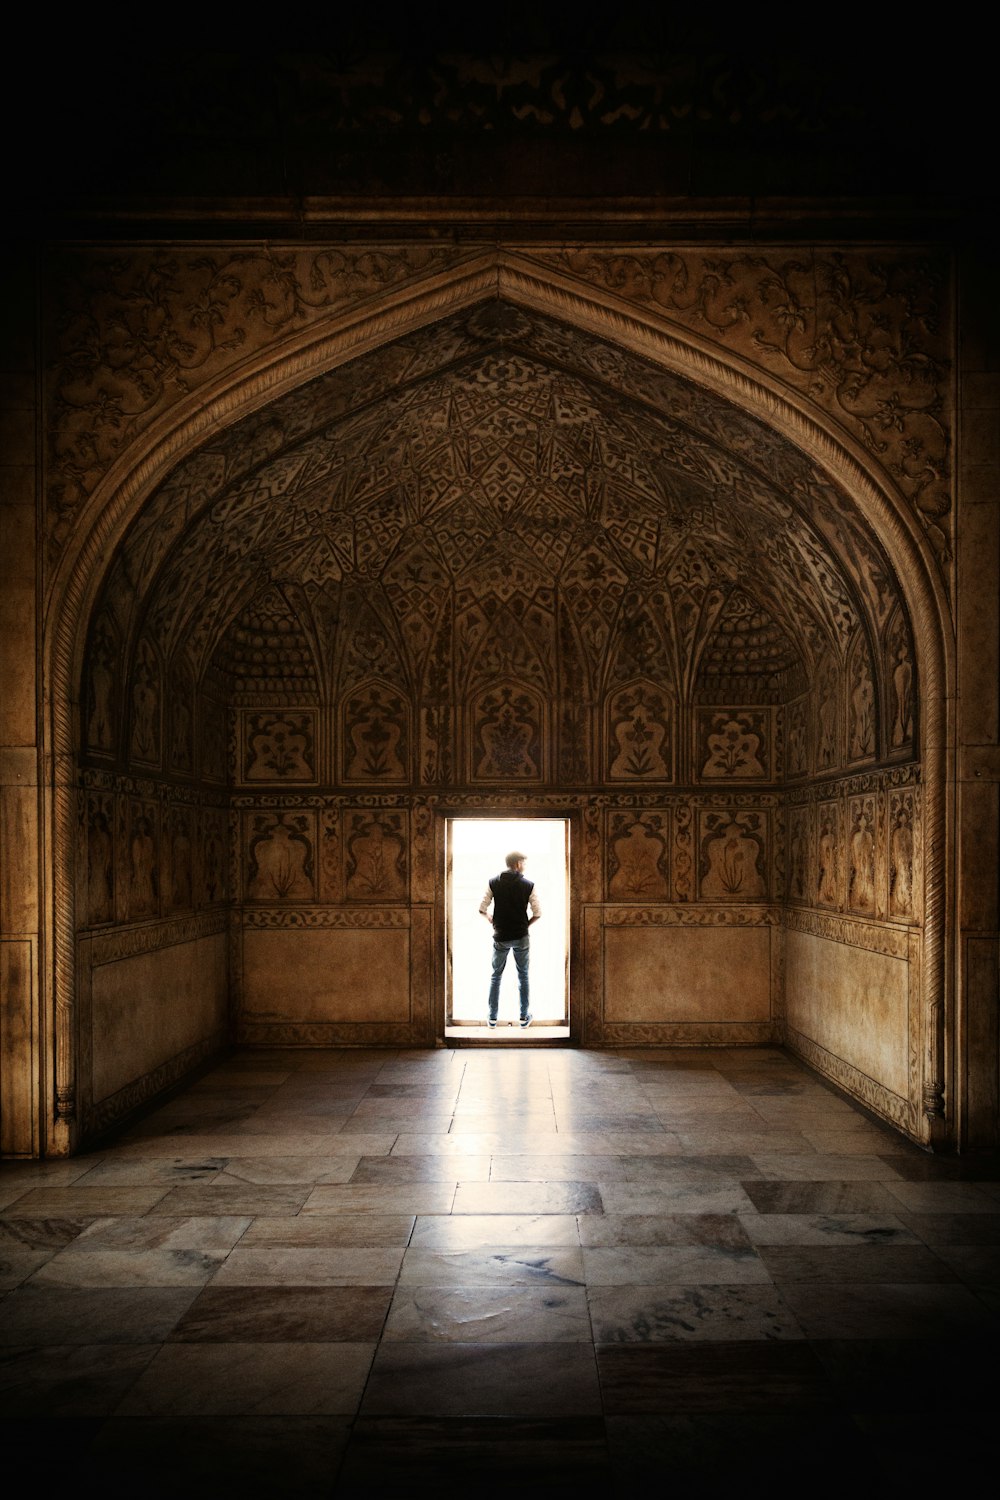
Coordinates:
[375,736]
[280,856]
[828,872]
[903,851]
[637,864]
[800,863]
[146,701]
[375,856]
[862,817]
[900,687]
[100,861]
[640,719]
[213,859]
[734,853]
[279,746]
[178,864]
[506,735]
[734,744]
[143,858]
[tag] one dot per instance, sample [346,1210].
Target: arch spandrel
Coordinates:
[787,458]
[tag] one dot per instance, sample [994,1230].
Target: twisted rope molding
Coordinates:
[249,385]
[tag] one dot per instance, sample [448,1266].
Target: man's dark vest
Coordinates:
[510,901]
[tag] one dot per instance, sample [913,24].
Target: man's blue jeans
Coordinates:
[519,948]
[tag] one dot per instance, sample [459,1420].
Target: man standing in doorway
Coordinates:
[511,896]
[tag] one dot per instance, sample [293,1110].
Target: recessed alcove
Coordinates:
[501,564]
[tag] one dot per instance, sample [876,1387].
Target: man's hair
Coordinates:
[514,859]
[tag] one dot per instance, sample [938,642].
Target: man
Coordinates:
[511,896]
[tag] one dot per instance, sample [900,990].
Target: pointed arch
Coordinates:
[524,284]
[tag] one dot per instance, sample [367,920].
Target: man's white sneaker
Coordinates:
[491,1024]
[526,1020]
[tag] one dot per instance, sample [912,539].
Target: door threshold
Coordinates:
[507,1032]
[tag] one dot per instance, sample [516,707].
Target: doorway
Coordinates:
[476,850]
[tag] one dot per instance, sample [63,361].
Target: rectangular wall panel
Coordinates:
[148,1007]
[852,1002]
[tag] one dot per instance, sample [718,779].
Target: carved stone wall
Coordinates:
[504,562]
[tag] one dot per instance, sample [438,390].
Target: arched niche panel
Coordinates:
[640,733]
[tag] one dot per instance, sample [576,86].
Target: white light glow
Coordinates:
[478,848]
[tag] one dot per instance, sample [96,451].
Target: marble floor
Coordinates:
[346,1272]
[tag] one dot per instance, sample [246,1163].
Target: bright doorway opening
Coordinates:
[476,851]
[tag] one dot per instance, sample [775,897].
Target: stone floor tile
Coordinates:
[359,1231]
[510,1314]
[881,1310]
[976,1265]
[269,1265]
[279,1379]
[676,1265]
[706,1313]
[836,1197]
[214,1234]
[229,1199]
[486,1456]
[954,1229]
[713,1140]
[382,1198]
[527,1197]
[856,1263]
[723,1230]
[827,1229]
[521,1266]
[99,1267]
[556,1168]
[137,1172]
[819,1166]
[391,1169]
[50,1315]
[674,1198]
[712,1377]
[95,1202]
[944,1197]
[69,1380]
[284,1314]
[466,1379]
[726,1452]
[254,1458]
[17,1265]
[40,1234]
[473,1231]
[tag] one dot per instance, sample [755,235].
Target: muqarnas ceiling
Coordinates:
[501,504]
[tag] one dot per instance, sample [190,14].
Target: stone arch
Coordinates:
[280,370]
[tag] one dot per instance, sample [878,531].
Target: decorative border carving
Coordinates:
[143,1091]
[129,942]
[875,1096]
[691,916]
[352,917]
[873,937]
